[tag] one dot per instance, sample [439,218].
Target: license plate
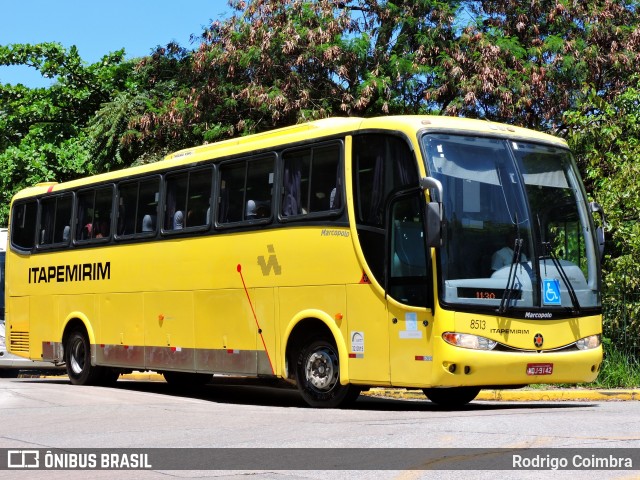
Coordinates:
[539,368]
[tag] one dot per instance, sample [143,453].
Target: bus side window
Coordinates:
[246,190]
[94,214]
[312,180]
[137,200]
[188,195]
[23,224]
[55,219]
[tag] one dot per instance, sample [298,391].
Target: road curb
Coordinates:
[525,395]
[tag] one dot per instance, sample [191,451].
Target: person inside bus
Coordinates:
[101,229]
[504,256]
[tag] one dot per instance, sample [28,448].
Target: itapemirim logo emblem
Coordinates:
[271,264]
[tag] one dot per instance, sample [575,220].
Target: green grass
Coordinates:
[619,369]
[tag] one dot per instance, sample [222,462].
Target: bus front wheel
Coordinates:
[451,397]
[318,376]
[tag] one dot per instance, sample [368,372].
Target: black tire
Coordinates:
[77,356]
[9,372]
[451,397]
[187,379]
[109,376]
[318,376]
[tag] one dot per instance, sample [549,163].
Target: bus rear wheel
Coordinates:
[451,397]
[318,376]
[77,356]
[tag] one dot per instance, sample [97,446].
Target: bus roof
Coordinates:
[409,124]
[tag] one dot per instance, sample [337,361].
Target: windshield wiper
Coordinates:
[511,279]
[563,275]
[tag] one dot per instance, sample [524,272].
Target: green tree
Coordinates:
[280,62]
[606,139]
[43,136]
[526,62]
[276,63]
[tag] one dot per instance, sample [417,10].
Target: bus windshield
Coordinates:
[518,232]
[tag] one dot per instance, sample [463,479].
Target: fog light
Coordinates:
[466,340]
[587,343]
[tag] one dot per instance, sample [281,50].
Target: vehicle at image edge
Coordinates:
[438,253]
[11,365]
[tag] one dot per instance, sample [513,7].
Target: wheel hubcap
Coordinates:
[322,369]
[77,357]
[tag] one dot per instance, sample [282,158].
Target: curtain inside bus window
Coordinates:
[127,205]
[232,182]
[335,196]
[198,198]
[103,207]
[47,219]
[294,162]
[84,219]
[176,201]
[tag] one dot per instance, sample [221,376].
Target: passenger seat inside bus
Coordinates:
[148,223]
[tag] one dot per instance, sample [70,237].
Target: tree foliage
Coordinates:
[280,62]
[285,61]
[42,129]
[605,136]
[527,62]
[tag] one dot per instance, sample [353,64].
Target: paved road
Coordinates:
[51,413]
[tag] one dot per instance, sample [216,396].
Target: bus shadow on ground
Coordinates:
[255,392]
[260,393]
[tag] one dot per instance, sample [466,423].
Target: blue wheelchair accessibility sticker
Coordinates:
[551,292]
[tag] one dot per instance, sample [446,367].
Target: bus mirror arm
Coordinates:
[433,215]
[430,182]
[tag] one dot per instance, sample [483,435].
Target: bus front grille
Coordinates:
[19,341]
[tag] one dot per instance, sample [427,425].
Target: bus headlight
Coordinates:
[587,343]
[466,340]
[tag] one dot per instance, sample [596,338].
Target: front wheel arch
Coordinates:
[306,326]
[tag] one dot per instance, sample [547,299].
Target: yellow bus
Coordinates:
[435,253]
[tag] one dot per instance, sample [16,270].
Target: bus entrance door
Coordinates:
[410,346]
